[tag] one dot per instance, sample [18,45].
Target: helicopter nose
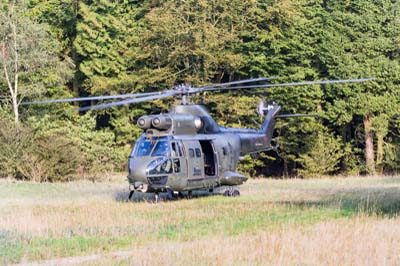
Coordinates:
[137,169]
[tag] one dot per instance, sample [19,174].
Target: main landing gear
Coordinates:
[171,195]
[231,192]
[227,191]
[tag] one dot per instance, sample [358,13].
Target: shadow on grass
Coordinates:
[369,201]
[122,196]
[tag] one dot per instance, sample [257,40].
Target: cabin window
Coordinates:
[198,153]
[191,153]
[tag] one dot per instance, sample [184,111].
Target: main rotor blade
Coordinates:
[129,101]
[284,84]
[81,99]
[296,115]
[238,82]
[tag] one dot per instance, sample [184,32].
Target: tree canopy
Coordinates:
[85,47]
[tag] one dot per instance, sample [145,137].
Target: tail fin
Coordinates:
[270,111]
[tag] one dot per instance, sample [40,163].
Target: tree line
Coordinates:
[75,48]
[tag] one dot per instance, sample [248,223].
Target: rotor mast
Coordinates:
[184,93]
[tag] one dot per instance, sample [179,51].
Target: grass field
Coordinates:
[347,221]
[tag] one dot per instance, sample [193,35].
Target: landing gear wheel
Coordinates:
[227,193]
[170,194]
[231,192]
[156,197]
[235,193]
[130,195]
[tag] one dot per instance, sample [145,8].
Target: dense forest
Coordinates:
[74,48]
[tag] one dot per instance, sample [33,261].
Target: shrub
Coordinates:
[323,158]
[57,150]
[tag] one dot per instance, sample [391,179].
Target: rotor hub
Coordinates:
[184,92]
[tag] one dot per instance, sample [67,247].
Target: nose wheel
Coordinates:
[131,192]
[130,195]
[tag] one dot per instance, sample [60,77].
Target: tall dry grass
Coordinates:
[358,241]
[351,221]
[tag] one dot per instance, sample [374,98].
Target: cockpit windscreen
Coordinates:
[155,147]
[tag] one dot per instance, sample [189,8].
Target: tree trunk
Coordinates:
[13,90]
[285,167]
[15,108]
[14,93]
[379,152]
[74,55]
[369,145]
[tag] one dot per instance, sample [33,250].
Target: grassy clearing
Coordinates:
[274,221]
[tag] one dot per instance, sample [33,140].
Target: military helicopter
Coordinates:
[185,149]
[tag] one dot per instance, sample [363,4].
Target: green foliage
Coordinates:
[136,46]
[352,161]
[50,150]
[103,42]
[61,18]
[95,150]
[27,154]
[250,166]
[106,45]
[29,58]
[323,158]
[200,37]
[361,40]
[13,142]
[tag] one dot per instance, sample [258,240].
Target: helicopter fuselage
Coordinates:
[186,150]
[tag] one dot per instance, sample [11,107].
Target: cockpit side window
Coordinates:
[160,166]
[181,149]
[176,149]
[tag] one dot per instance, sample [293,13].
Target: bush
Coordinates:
[48,150]
[50,158]
[28,154]
[323,158]
[14,143]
